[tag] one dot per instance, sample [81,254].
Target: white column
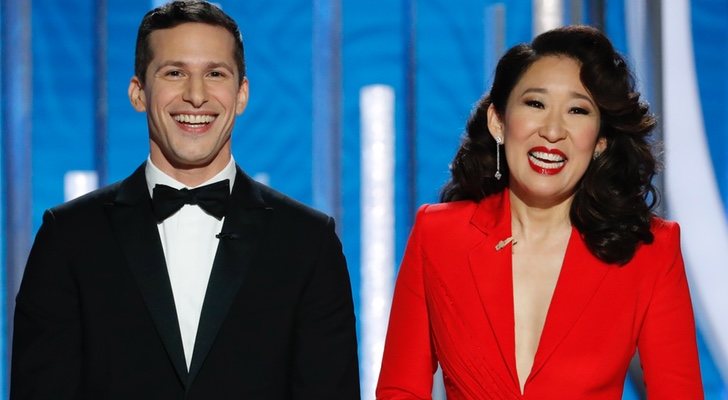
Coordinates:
[547,15]
[377,227]
[637,41]
[78,183]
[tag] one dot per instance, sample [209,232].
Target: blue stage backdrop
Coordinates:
[341,91]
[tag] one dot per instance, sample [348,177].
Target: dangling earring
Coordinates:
[498,144]
[596,155]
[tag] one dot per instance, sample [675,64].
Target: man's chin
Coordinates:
[187,163]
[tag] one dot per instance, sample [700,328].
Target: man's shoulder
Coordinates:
[131,189]
[92,200]
[289,207]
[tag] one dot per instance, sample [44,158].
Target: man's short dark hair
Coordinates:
[176,13]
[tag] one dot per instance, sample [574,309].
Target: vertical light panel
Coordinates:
[596,14]
[637,40]
[547,14]
[101,117]
[16,135]
[575,11]
[690,182]
[377,227]
[326,104]
[410,118]
[16,170]
[643,37]
[494,39]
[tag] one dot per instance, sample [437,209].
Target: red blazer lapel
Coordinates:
[490,265]
[581,276]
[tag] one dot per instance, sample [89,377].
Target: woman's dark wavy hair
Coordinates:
[614,201]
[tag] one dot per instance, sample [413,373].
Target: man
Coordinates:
[227,290]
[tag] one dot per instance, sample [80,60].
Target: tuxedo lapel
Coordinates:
[133,224]
[579,280]
[242,233]
[491,270]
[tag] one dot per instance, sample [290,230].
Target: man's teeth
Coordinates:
[194,119]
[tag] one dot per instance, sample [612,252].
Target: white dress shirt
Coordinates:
[189,245]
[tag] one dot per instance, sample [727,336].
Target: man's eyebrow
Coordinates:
[170,64]
[182,64]
[213,65]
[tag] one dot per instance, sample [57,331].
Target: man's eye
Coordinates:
[174,73]
[217,74]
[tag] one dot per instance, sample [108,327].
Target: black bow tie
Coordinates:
[211,198]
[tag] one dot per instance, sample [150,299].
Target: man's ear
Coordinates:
[242,97]
[136,95]
[495,125]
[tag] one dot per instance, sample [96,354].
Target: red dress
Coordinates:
[453,304]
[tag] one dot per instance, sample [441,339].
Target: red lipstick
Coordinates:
[546,161]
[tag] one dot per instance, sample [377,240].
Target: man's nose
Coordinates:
[195,93]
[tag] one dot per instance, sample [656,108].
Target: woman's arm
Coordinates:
[409,361]
[667,345]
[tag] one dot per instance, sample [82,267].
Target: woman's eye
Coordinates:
[534,103]
[579,110]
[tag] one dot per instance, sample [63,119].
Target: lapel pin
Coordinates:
[503,243]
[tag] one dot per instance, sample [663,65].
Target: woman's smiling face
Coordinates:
[550,131]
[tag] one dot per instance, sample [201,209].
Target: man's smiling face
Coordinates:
[191,95]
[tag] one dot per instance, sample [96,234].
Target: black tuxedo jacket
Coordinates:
[95,317]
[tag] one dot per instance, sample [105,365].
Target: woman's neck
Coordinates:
[529,222]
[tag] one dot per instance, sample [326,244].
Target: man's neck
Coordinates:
[191,176]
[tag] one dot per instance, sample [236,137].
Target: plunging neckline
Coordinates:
[580,278]
[547,317]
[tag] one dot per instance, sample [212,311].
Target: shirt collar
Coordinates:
[156,176]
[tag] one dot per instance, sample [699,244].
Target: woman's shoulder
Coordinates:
[489,204]
[664,246]
[439,216]
[459,217]
[665,231]
[435,210]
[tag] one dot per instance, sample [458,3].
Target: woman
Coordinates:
[545,269]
